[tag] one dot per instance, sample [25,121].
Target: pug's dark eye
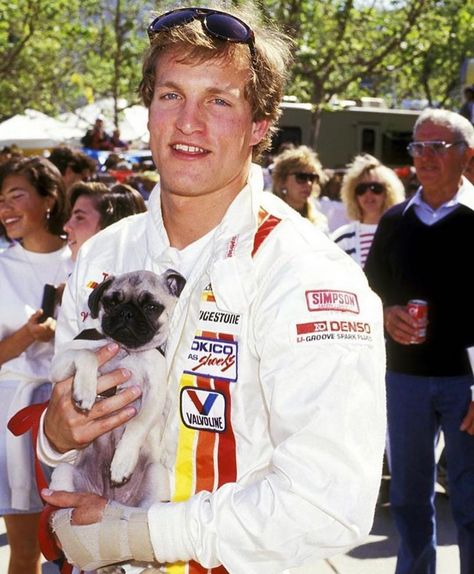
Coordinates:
[152,308]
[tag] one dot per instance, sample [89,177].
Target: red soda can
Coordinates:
[418,309]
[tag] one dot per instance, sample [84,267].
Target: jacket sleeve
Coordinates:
[326,416]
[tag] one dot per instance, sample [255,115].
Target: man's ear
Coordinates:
[259,131]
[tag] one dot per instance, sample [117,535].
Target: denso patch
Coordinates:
[203,409]
[332,300]
[334,330]
[213,358]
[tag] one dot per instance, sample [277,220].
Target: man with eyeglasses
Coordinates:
[275,411]
[421,251]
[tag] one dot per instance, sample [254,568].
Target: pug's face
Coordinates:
[134,308]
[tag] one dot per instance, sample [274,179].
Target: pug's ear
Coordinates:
[96,296]
[175,282]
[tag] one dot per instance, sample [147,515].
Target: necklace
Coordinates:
[50,275]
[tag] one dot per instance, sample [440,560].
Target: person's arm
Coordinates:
[15,344]
[399,324]
[326,421]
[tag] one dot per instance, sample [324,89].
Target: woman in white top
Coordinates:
[33,209]
[368,189]
[296,177]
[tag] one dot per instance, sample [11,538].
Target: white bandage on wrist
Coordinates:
[121,536]
[472,393]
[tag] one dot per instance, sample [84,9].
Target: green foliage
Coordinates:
[61,54]
[56,55]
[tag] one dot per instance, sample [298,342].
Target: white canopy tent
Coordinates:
[35,130]
[132,126]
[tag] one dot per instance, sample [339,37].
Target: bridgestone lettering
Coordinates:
[217,317]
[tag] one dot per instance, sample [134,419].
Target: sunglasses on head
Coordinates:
[373,186]
[302,177]
[216,24]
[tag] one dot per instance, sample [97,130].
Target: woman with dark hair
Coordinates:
[94,207]
[33,209]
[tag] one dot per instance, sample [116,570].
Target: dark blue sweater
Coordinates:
[411,260]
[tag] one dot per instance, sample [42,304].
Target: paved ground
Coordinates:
[376,556]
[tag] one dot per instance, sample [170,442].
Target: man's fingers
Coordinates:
[88,507]
[106,352]
[61,498]
[467,424]
[112,379]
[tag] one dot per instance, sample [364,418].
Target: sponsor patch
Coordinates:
[213,358]
[211,319]
[331,300]
[203,409]
[93,284]
[232,246]
[333,330]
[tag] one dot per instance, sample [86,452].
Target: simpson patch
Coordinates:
[332,300]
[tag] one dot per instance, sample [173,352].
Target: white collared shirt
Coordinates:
[430,216]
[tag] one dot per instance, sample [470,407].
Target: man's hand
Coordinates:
[68,428]
[88,507]
[467,424]
[400,325]
[97,533]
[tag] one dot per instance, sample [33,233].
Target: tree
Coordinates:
[64,53]
[395,49]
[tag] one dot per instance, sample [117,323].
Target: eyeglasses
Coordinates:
[416,149]
[373,186]
[216,24]
[302,177]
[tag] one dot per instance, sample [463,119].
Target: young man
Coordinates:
[419,253]
[276,333]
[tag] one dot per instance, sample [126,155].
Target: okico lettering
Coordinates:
[213,358]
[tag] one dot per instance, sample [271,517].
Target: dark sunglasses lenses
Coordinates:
[227,27]
[217,24]
[170,20]
[304,177]
[374,187]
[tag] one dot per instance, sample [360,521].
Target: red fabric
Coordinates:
[28,419]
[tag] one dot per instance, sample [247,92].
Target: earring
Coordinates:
[48,214]
[284,191]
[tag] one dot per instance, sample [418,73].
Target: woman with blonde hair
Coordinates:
[297,176]
[368,189]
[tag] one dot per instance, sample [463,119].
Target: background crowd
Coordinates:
[50,206]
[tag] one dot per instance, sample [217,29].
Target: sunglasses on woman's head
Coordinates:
[373,186]
[216,24]
[302,177]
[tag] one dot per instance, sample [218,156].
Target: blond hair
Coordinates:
[361,166]
[299,159]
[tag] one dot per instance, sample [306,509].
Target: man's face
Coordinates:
[440,173]
[201,128]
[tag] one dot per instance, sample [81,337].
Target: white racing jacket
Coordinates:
[275,414]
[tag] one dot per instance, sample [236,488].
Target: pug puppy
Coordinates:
[133,309]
